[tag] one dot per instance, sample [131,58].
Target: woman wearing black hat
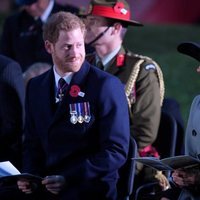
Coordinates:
[188,179]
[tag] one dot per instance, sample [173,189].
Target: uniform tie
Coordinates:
[62,87]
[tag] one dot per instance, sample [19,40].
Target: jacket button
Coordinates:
[194,133]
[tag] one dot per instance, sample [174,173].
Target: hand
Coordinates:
[163,181]
[54,184]
[183,178]
[26,186]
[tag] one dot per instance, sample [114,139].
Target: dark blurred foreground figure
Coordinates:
[187,180]
[11,110]
[77,123]
[21,38]
[11,119]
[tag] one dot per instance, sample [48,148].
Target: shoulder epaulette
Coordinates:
[134,73]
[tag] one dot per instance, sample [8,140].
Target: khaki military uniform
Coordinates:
[146,98]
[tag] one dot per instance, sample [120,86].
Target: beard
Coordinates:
[68,64]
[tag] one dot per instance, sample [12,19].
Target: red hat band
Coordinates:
[116,12]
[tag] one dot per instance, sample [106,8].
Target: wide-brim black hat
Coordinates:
[25,2]
[191,49]
[118,10]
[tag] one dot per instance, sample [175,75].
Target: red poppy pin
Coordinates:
[74,91]
[119,8]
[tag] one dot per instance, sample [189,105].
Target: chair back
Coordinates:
[127,173]
[165,142]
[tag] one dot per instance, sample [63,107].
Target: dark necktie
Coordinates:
[62,87]
[100,65]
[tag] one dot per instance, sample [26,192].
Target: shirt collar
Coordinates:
[47,12]
[105,60]
[67,78]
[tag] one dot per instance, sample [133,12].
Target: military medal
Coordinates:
[73,119]
[80,119]
[80,113]
[73,112]
[60,96]
[87,116]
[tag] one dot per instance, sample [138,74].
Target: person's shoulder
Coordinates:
[196,101]
[42,76]
[146,63]
[6,61]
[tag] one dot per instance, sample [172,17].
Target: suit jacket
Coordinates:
[22,38]
[146,109]
[89,154]
[11,110]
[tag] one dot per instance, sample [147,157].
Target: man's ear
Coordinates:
[117,27]
[48,46]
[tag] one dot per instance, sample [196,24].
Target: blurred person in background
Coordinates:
[35,70]
[6,6]
[21,37]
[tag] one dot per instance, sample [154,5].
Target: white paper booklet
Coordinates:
[6,169]
[9,171]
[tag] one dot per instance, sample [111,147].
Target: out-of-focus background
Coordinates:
[166,24]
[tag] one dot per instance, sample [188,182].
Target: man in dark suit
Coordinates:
[22,32]
[11,120]
[77,124]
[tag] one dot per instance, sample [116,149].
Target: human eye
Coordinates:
[79,45]
[66,47]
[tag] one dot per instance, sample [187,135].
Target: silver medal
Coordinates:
[73,119]
[87,118]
